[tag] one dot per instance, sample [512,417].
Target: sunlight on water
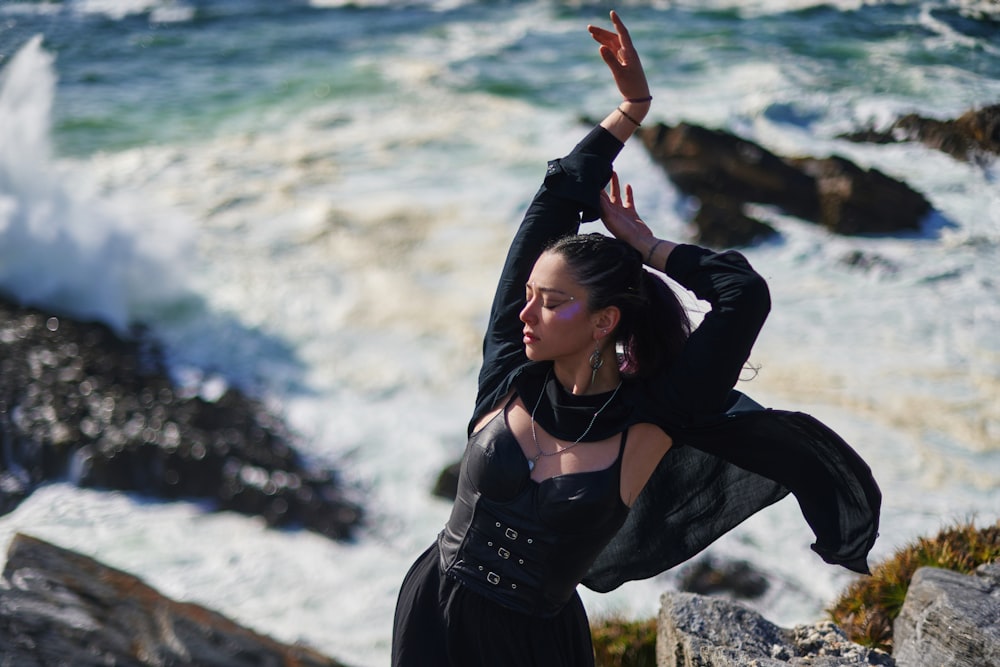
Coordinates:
[338,257]
[63,244]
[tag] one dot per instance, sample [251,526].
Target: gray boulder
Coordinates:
[699,631]
[950,619]
[60,608]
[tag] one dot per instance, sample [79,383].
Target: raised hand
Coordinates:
[621,57]
[622,220]
[620,217]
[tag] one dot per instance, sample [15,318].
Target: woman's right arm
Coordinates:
[622,59]
[569,194]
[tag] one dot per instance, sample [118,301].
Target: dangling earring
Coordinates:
[596,360]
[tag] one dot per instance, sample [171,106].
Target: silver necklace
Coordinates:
[534,436]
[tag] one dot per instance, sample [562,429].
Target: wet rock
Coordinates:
[721,223]
[869,262]
[714,632]
[708,576]
[446,485]
[59,608]
[949,618]
[724,172]
[972,137]
[853,200]
[710,163]
[81,403]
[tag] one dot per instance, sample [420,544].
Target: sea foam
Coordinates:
[64,245]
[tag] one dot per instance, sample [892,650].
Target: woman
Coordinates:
[607,443]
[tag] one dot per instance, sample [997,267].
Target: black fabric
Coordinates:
[571,188]
[722,468]
[525,544]
[697,493]
[730,457]
[442,623]
[565,415]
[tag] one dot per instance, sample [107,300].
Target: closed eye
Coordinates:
[549,302]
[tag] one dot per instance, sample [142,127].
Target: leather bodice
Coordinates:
[523,543]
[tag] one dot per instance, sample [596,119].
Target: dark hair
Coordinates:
[654,323]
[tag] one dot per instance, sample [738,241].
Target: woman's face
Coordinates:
[557,322]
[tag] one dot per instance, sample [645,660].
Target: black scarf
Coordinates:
[566,415]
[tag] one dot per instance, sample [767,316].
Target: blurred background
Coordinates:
[311,200]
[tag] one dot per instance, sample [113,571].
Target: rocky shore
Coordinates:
[972,137]
[80,403]
[948,619]
[60,608]
[725,173]
[56,604]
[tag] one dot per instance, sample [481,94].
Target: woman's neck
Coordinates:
[580,380]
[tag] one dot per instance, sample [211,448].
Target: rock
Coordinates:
[949,619]
[869,262]
[721,223]
[853,200]
[698,631]
[446,485]
[59,608]
[972,137]
[706,163]
[725,172]
[707,576]
[77,401]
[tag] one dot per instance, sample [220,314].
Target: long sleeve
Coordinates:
[569,195]
[731,458]
[698,383]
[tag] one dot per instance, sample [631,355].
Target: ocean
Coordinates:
[311,201]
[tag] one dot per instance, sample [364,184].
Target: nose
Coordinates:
[529,313]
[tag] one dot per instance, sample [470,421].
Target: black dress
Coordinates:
[498,588]
[730,459]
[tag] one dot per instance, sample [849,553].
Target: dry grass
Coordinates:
[867,609]
[622,643]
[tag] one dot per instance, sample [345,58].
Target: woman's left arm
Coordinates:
[698,382]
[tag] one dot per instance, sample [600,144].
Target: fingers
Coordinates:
[615,196]
[623,35]
[610,56]
[603,36]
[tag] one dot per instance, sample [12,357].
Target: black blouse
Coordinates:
[731,457]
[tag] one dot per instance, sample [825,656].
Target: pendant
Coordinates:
[531,465]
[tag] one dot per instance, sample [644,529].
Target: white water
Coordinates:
[66,244]
[322,263]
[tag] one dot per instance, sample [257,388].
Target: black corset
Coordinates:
[522,543]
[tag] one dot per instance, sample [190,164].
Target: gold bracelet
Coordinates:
[622,112]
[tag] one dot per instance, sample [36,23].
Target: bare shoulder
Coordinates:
[494,411]
[646,446]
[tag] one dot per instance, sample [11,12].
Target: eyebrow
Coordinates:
[551,290]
